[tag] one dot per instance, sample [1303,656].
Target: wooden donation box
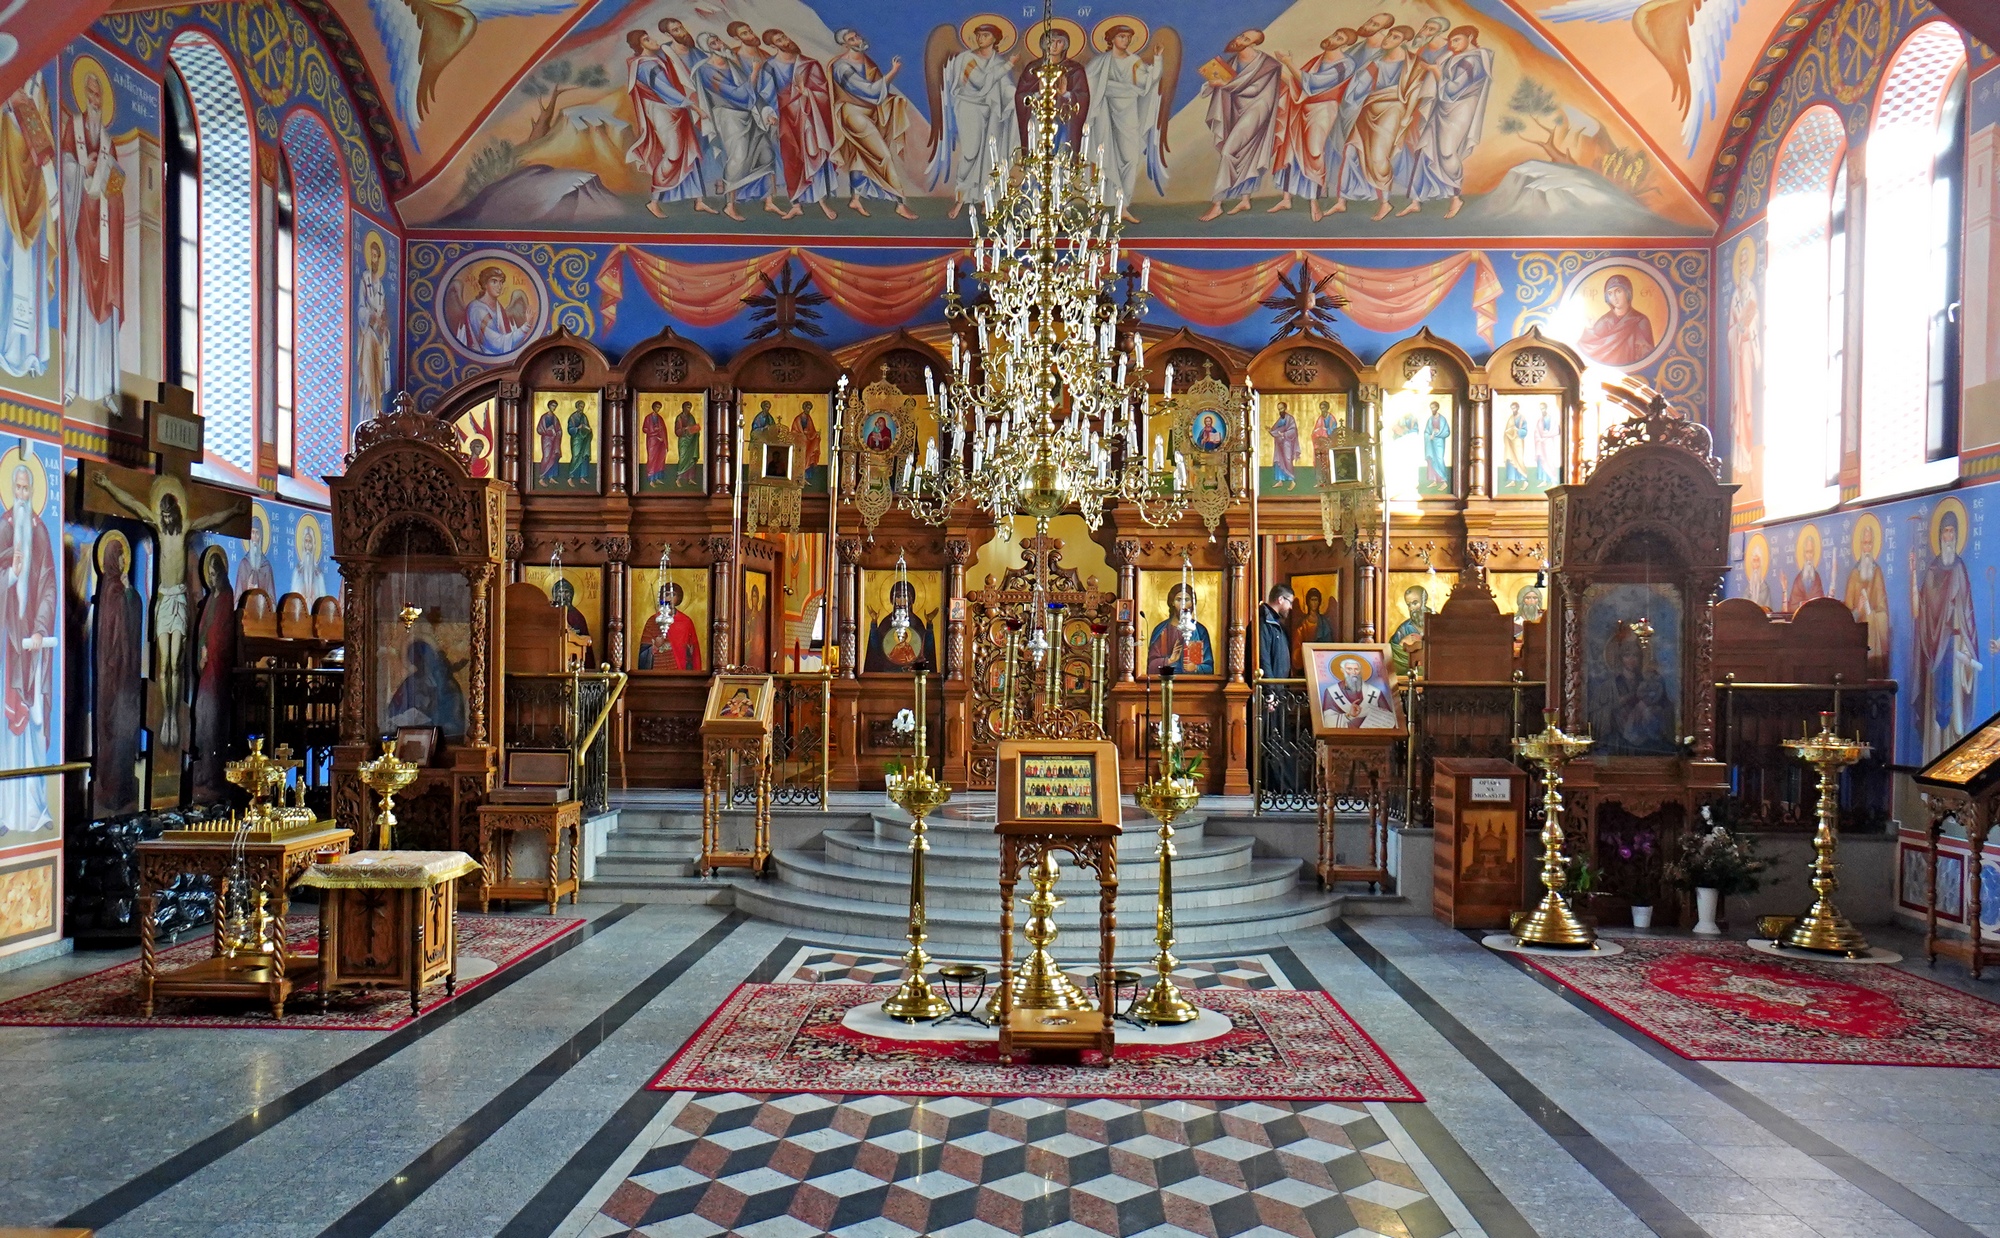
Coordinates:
[388,919]
[1963,784]
[1479,809]
[260,964]
[1056,796]
[735,729]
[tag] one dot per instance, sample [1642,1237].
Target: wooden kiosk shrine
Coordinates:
[1639,549]
[421,545]
[1962,785]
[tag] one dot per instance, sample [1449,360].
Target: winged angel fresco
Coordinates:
[423,36]
[1690,39]
[1119,83]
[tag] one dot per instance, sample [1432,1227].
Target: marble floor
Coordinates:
[522,1111]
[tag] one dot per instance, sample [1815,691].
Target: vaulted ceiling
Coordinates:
[1603,117]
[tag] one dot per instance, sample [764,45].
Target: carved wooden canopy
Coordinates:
[406,469]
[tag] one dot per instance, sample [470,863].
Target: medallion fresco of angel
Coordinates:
[489,310]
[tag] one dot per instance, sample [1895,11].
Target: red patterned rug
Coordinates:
[110,998]
[1284,1045]
[1719,1001]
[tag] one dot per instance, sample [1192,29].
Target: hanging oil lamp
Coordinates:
[663,595]
[1185,620]
[556,576]
[411,612]
[899,617]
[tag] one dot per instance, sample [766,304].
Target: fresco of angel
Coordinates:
[1131,101]
[421,37]
[500,316]
[969,82]
[1690,39]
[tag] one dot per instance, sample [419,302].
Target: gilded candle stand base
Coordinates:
[1167,800]
[918,794]
[1822,929]
[1552,923]
[1041,984]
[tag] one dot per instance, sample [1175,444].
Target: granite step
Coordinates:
[1138,885]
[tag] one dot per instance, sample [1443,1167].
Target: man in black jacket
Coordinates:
[1274,661]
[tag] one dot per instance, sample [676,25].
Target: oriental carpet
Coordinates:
[1719,1001]
[1283,1044]
[110,997]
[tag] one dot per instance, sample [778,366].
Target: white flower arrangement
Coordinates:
[905,723]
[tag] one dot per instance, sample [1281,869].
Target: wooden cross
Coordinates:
[172,507]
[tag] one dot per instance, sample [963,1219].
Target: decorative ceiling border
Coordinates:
[360,82]
[1726,167]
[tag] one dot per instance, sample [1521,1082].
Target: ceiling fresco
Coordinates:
[1466,118]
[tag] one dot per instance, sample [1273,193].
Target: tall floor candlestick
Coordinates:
[918,794]
[1823,928]
[1552,922]
[1167,798]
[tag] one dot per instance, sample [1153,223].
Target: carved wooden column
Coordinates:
[508,414]
[1125,557]
[480,577]
[956,551]
[1267,564]
[617,551]
[850,607]
[721,604]
[617,453]
[1482,421]
[517,550]
[722,437]
[1706,586]
[1367,551]
[358,693]
[1237,551]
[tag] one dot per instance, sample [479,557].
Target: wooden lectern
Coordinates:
[1057,796]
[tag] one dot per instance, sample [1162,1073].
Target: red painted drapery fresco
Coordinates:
[706,294]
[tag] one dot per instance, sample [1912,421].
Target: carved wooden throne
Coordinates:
[413,528]
[1640,547]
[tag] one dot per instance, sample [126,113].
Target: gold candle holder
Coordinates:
[1097,676]
[1007,679]
[918,794]
[1552,922]
[386,775]
[1166,798]
[1041,985]
[1823,929]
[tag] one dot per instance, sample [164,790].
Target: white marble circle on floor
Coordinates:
[869,1020]
[1876,954]
[1505,943]
[473,966]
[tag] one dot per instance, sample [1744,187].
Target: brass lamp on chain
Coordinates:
[1167,798]
[916,792]
[386,775]
[1552,922]
[1823,929]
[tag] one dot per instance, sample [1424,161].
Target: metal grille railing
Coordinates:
[569,712]
[801,744]
[293,706]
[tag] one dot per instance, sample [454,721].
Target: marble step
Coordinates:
[1138,886]
[688,890]
[949,857]
[615,867]
[1140,837]
[1300,907]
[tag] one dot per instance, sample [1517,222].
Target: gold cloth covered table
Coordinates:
[389,919]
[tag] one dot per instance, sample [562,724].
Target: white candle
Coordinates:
[1146,275]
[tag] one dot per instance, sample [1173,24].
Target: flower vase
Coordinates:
[1707,900]
[1642,917]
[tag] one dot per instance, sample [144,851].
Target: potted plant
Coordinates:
[1635,875]
[1716,863]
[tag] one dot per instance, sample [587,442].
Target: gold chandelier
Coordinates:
[1043,411]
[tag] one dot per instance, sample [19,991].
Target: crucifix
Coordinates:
[172,507]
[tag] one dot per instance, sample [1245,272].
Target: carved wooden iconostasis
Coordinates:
[421,545]
[613,462]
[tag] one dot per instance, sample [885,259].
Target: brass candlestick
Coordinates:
[1552,923]
[1041,985]
[918,794]
[385,776]
[1823,928]
[1167,798]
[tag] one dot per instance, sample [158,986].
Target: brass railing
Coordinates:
[801,742]
[568,711]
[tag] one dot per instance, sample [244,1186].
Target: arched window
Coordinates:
[1801,387]
[313,443]
[1914,176]
[182,211]
[226,253]
[284,321]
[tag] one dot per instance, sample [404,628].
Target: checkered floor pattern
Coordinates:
[819,965]
[900,1167]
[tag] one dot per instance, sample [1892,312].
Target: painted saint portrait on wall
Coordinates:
[491,305]
[564,452]
[1181,620]
[902,617]
[674,630]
